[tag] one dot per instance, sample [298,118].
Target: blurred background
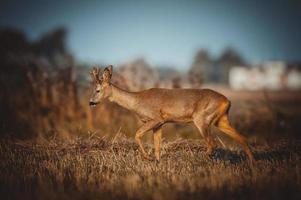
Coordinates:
[248,50]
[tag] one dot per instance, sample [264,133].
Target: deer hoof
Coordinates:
[210,151]
[147,157]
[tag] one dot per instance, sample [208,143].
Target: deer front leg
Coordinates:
[139,134]
[157,141]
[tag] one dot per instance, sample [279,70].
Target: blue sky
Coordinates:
[163,32]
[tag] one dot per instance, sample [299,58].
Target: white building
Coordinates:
[274,75]
[294,79]
[270,75]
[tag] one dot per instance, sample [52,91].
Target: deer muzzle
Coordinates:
[91,103]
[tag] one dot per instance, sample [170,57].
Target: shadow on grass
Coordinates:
[237,157]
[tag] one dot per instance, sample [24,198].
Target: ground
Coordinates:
[100,168]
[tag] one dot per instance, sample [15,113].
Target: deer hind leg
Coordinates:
[157,141]
[211,145]
[224,125]
[141,132]
[205,131]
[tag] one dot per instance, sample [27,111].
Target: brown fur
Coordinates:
[158,106]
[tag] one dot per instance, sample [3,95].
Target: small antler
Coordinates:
[95,74]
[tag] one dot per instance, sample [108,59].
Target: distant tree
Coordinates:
[38,85]
[51,45]
[139,74]
[228,59]
[200,69]
[13,41]
[15,56]
[176,82]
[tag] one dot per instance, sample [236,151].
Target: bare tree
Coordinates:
[200,69]
[226,61]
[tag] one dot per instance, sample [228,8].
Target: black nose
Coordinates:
[91,103]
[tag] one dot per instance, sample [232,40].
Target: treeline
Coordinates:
[45,93]
[38,89]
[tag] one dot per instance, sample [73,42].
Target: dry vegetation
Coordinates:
[65,150]
[72,153]
[98,168]
[51,108]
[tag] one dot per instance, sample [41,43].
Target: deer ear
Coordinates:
[107,73]
[110,68]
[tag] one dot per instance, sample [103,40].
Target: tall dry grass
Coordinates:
[99,168]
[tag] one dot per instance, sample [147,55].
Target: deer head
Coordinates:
[102,87]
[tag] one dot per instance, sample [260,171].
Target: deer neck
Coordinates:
[123,98]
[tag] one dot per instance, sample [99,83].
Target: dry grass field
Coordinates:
[104,162]
[101,168]
[54,146]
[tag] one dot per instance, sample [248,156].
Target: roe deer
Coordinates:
[157,106]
